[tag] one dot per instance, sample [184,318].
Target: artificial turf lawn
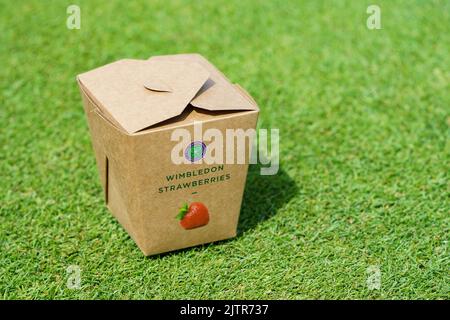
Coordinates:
[364,125]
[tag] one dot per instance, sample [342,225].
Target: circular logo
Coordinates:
[195,151]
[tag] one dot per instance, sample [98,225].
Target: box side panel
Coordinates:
[112,150]
[163,187]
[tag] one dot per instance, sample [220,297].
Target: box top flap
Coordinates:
[218,93]
[136,94]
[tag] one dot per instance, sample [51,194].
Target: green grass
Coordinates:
[364,124]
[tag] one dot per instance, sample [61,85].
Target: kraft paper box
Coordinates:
[133,108]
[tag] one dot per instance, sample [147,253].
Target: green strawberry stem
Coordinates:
[183,210]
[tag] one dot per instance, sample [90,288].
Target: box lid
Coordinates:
[137,94]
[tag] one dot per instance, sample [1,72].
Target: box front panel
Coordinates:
[210,188]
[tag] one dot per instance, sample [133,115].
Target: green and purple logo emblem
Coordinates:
[195,151]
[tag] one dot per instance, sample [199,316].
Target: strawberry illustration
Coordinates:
[194,216]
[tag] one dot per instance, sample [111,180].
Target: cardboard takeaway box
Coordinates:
[133,106]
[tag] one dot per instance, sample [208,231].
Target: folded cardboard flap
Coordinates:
[137,94]
[158,85]
[218,93]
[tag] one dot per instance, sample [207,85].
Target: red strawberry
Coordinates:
[194,216]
